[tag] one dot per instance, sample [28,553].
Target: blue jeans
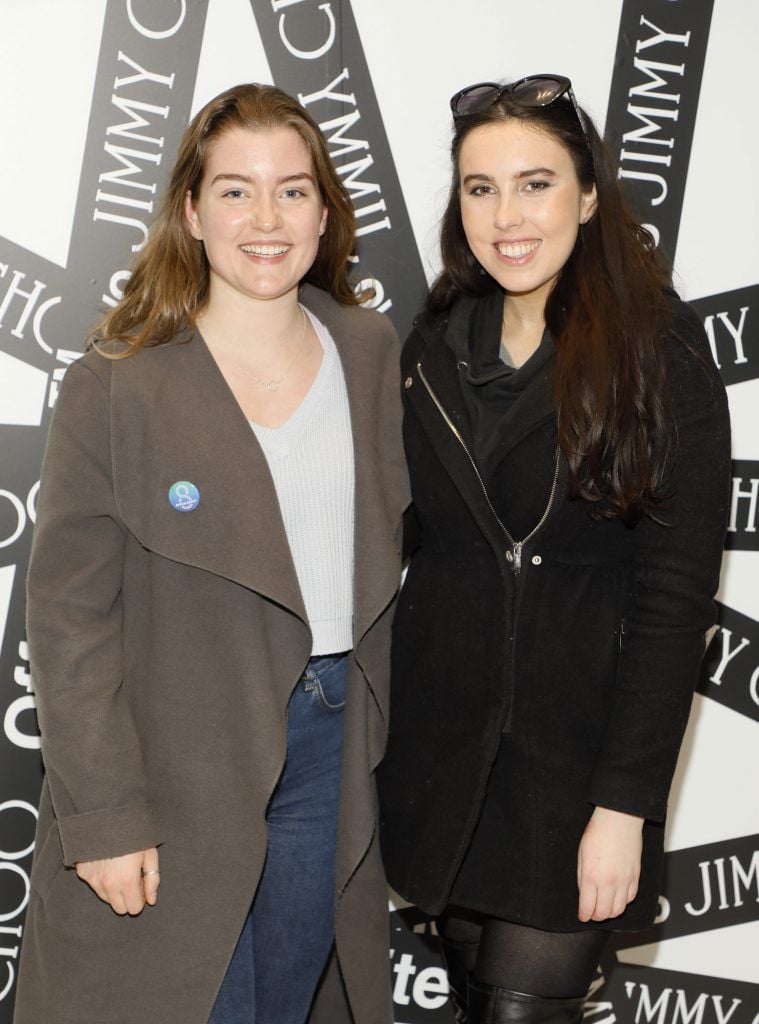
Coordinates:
[288,934]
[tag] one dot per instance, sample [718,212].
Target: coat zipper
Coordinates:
[515,546]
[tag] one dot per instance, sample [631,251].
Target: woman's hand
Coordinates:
[126,883]
[608,864]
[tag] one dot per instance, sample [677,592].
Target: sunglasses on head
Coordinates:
[533,91]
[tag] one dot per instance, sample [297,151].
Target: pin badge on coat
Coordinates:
[184,496]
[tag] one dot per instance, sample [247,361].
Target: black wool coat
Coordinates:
[523,699]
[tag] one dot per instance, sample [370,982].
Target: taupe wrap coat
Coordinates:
[164,648]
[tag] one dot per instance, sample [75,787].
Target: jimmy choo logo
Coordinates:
[302,39]
[652,107]
[342,146]
[123,187]
[656,109]
[141,104]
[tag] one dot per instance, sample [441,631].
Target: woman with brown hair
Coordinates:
[568,445]
[213,571]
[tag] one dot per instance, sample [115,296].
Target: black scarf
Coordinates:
[490,387]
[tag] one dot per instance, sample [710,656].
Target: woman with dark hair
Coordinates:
[568,444]
[210,589]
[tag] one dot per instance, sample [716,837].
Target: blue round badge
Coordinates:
[184,496]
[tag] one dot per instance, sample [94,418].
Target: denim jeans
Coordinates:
[289,931]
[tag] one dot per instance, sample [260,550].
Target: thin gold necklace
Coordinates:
[275,383]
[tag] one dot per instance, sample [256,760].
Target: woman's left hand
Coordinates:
[608,864]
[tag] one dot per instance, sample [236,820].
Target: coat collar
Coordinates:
[176,419]
[524,418]
[434,391]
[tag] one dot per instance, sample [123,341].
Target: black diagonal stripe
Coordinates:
[310,48]
[29,284]
[653,101]
[632,994]
[730,672]
[743,525]
[704,887]
[732,326]
[118,141]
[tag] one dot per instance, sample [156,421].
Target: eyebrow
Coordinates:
[517,177]
[298,176]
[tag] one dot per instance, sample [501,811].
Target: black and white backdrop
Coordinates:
[95,94]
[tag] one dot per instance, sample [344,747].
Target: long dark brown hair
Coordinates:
[607,312]
[170,278]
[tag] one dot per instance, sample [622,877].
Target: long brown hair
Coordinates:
[170,278]
[607,313]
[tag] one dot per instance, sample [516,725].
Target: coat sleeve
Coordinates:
[676,574]
[90,747]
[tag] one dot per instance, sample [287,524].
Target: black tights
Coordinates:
[513,956]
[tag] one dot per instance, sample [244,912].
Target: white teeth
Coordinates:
[517,249]
[265,250]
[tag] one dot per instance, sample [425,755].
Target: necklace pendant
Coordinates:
[273,385]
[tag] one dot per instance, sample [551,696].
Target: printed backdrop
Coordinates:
[95,96]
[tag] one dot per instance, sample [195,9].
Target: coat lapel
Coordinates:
[434,392]
[183,424]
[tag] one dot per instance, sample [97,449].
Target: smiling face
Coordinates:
[258,213]
[521,205]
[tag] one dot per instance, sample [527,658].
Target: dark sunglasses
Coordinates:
[533,91]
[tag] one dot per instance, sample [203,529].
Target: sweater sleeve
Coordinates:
[676,574]
[90,747]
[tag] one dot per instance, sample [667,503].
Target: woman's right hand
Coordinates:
[126,883]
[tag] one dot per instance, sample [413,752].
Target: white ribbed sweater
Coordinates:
[310,458]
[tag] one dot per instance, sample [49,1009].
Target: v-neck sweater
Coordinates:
[310,458]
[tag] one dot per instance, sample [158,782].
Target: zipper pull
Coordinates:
[517,564]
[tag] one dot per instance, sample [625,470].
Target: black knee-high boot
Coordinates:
[456,957]
[489,1004]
